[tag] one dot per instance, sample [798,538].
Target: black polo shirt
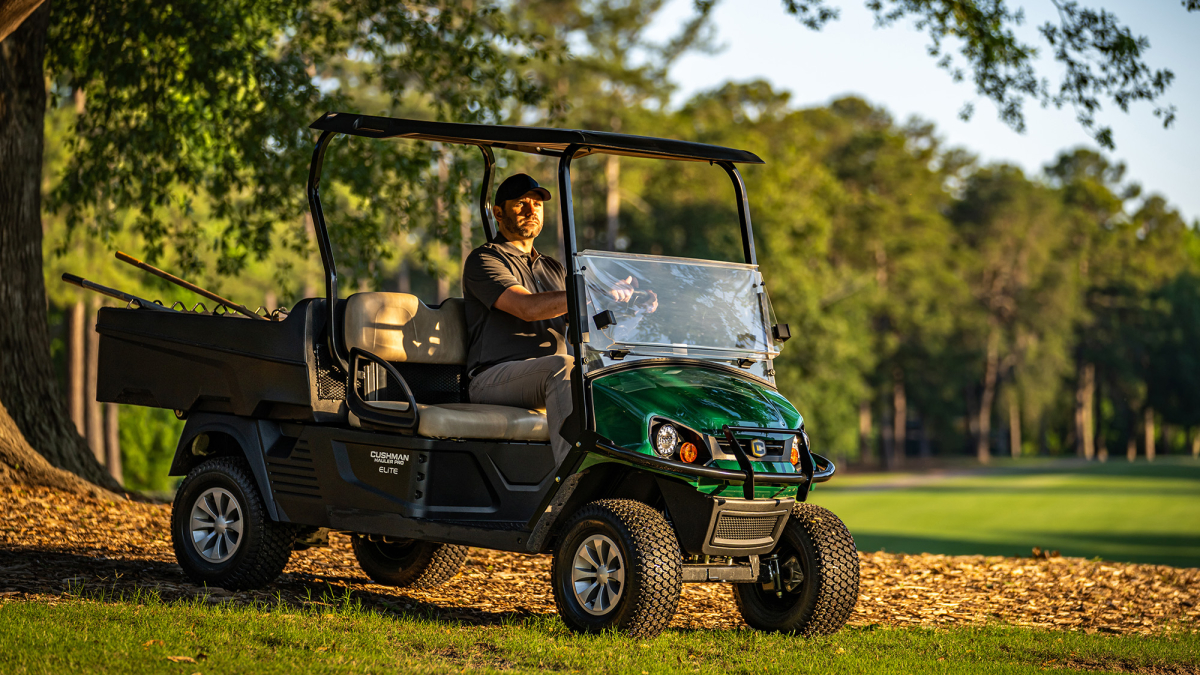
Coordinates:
[497,336]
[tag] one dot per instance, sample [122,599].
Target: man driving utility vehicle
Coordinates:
[516,302]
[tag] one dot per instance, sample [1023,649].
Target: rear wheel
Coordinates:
[408,563]
[222,533]
[617,567]
[817,585]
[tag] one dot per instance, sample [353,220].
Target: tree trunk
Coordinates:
[887,450]
[972,415]
[95,423]
[465,234]
[899,418]
[990,371]
[404,278]
[76,370]
[1014,424]
[29,389]
[20,464]
[13,13]
[612,203]
[1085,391]
[112,441]
[864,430]
[1195,443]
[1148,424]
[1131,447]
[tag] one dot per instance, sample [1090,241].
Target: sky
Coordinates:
[890,67]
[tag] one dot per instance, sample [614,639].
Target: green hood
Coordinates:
[701,398]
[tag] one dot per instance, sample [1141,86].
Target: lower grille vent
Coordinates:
[734,529]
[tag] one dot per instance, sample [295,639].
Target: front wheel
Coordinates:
[617,567]
[816,587]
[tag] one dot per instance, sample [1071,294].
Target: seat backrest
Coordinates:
[428,346]
[399,328]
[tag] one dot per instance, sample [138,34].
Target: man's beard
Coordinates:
[531,229]
[527,230]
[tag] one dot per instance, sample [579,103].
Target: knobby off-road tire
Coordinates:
[823,600]
[409,564]
[619,539]
[261,548]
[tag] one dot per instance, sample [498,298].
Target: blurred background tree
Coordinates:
[939,307]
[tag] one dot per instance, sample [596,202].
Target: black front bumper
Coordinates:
[809,472]
[722,526]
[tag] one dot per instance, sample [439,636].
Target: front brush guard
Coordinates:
[745,474]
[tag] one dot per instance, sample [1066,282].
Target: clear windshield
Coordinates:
[677,306]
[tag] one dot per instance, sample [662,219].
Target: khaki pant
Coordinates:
[544,382]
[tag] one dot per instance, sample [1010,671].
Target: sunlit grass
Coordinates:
[1120,511]
[146,635]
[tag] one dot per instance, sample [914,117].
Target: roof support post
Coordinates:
[580,419]
[485,192]
[336,345]
[743,206]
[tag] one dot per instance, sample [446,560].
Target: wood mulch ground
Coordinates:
[53,543]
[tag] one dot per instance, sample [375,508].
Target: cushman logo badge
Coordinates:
[758,448]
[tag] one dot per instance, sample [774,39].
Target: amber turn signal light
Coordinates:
[795,455]
[688,452]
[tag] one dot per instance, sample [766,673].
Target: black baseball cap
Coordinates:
[518,185]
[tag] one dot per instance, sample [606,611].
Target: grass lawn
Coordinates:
[197,637]
[1139,512]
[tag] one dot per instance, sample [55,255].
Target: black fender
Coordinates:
[606,480]
[229,435]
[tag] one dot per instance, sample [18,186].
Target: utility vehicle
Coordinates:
[352,415]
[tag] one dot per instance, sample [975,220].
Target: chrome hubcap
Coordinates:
[216,525]
[598,574]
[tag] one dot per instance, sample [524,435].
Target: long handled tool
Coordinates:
[241,309]
[112,292]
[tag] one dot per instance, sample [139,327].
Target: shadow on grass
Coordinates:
[40,571]
[1177,551]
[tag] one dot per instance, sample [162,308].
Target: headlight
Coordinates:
[665,440]
[796,448]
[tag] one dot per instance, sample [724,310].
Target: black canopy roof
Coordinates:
[536,140]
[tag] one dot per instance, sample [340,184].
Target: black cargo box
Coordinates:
[201,362]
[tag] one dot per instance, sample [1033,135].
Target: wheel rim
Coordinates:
[598,574]
[216,525]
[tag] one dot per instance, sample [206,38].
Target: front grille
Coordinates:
[744,529]
[775,448]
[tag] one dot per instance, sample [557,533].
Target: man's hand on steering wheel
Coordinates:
[626,291]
